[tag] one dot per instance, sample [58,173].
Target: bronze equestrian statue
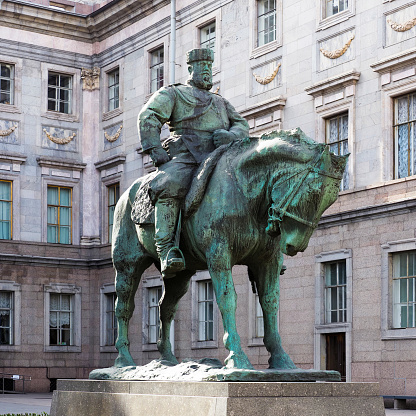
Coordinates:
[252,199]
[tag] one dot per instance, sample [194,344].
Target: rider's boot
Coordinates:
[166,217]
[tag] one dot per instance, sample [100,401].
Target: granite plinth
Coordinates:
[183,398]
[207,370]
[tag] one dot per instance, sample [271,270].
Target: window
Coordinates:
[59,228]
[335,6]
[337,139]
[404,290]
[333,313]
[154,294]
[61,319]
[110,319]
[405,135]
[156,70]
[6,318]
[6,84]
[266,21]
[59,93]
[113,89]
[113,196]
[208,37]
[259,321]
[205,311]
[5,210]
[335,292]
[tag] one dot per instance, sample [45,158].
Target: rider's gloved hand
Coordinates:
[159,156]
[221,137]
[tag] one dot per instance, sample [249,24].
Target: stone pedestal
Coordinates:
[156,398]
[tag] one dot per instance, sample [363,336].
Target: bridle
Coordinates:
[278,212]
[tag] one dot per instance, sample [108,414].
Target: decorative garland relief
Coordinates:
[402,27]
[59,140]
[115,136]
[269,78]
[337,52]
[8,132]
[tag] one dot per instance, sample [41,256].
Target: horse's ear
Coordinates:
[338,163]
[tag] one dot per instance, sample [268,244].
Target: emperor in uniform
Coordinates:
[199,122]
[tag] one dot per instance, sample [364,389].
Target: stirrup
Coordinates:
[172,263]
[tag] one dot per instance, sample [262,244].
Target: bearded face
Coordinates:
[200,74]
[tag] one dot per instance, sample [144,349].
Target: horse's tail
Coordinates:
[201,180]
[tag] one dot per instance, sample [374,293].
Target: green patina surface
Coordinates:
[252,200]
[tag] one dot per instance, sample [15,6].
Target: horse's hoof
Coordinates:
[239,360]
[122,361]
[169,358]
[282,362]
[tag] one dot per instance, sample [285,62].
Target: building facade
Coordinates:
[74,76]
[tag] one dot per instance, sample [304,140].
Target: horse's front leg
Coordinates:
[175,288]
[222,281]
[267,275]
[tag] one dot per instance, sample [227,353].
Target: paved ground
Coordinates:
[41,402]
[25,403]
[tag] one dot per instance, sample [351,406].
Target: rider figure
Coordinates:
[199,122]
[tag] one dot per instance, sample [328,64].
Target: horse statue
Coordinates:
[264,197]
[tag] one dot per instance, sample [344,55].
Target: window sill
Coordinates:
[62,348]
[256,342]
[262,50]
[335,19]
[108,348]
[10,348]
[196,345]
[149,347]
[9,108]
[111,114]
[61,116]
[399,333]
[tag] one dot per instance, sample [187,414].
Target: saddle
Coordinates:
[143,211]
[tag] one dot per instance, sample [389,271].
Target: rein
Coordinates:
[280,211]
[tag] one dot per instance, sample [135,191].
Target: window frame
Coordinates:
[202,276]
[11,209]
[109,206]
[58,90]
[151,283]
[411,170]
[60,330]
[105,290]
[387,251]
[108,114]
[344,186]
[321,328]
[256,50]
[59,206]
[16,289]
[266,15]
[325,22]
[17,93]
[65,289]
[113,87]
[76,92]
[214,49]
[11,80]
[157,66]
[74,183]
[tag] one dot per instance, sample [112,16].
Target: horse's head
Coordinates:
[299,197]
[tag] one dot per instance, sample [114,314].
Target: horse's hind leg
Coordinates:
[266,275]
[128,273]
[175,288]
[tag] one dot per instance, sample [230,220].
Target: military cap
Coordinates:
[195,55]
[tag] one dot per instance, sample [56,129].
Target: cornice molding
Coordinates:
[363,214]
[339,81]
[264,107]
[61,163]
[12,157]
[395,61]
[111,162]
